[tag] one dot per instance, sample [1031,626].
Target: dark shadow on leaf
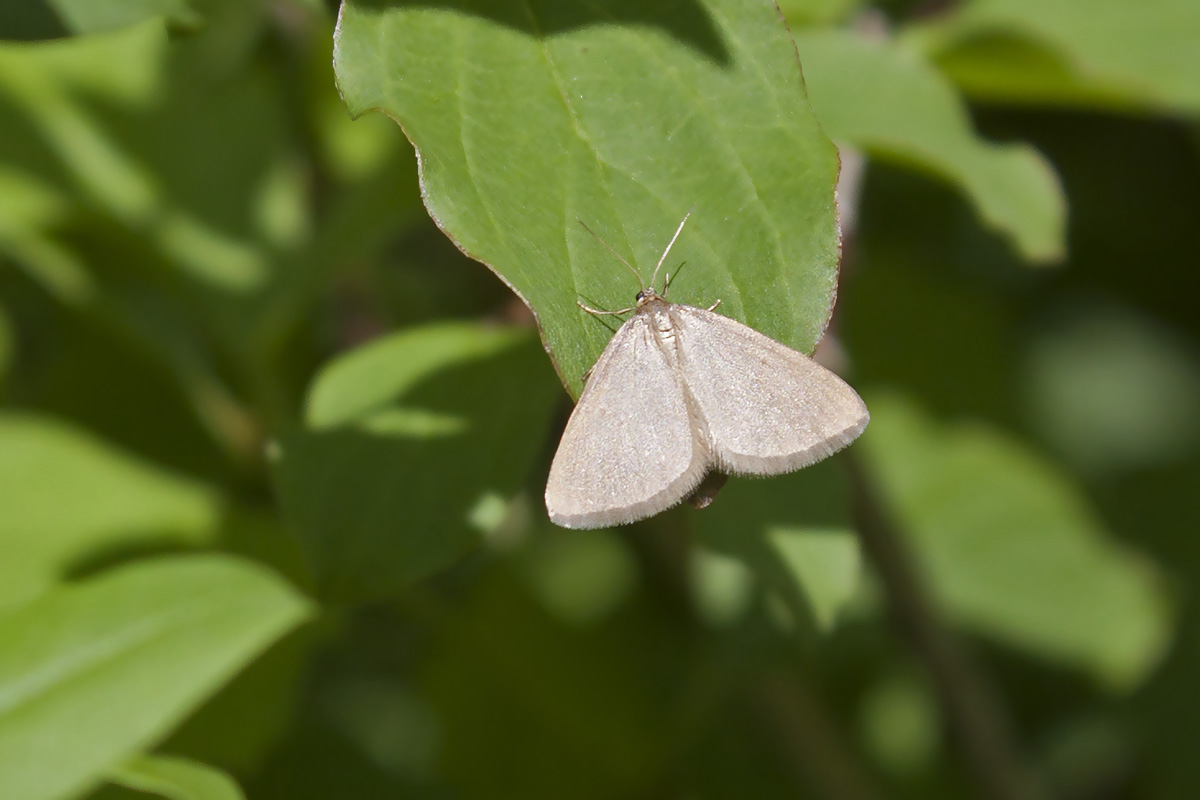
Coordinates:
[687,21]
[390,498]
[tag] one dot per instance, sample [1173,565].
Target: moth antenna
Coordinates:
[670,244]
[620,258]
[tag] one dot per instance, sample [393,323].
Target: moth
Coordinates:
[681,394]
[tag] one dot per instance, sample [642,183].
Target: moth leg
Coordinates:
[597,312]
[713,307]
[667,280]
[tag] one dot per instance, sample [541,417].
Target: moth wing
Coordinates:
[631,448]
[769,409]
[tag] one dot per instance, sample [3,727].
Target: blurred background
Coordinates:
[204,261]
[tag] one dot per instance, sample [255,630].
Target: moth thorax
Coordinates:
[663,322]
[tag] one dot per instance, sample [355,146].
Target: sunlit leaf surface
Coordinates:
[530,117]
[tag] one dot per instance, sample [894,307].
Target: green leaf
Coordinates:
[239,726]
[1101,53]
[174,206]
[92,16]
[27,205]
[123,66]
[886,99]
[29,209]
[48,80]
[70,497]
[175,779]
[414,442]
[144,176]
[50,19]
[53,18]
[792,534]
[818,12]
[45,81]
[1011,548]
[92,673]
[531,116]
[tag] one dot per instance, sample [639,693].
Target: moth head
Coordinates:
[646,295]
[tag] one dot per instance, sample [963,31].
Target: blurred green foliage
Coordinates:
[272,447]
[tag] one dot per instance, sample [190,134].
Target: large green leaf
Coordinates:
[1011,548]
[1107,53]
[792,535]
[414,444]
[69,497]
[175,779]
[529,116]
[886,99]
[92,673]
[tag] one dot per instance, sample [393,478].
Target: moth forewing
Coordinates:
[629,450]
[768,408]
